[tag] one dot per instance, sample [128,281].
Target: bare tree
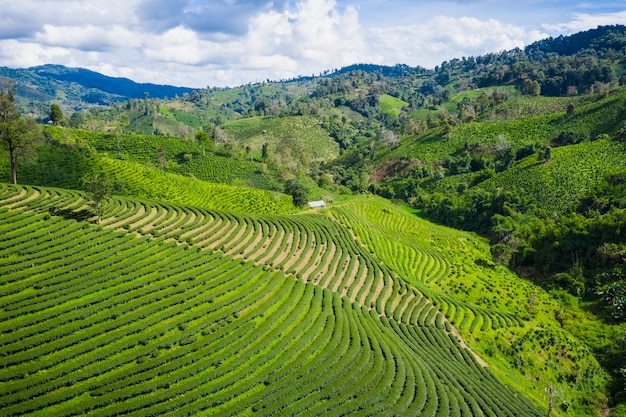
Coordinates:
[161,157]
[552,394]
[389,138]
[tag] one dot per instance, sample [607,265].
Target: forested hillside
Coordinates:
[470,262]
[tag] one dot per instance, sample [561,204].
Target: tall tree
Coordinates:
[297,191]
[56,114]
[19,135]
[161,157]
[99,188]
[76,119]
[203,140]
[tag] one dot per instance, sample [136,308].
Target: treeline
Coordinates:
[573,250]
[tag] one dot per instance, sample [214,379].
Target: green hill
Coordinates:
[288,138]
[65,164]
[175,155]
[558,185]
[205,291]
[168,307]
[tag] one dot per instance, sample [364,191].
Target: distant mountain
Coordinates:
[77,88]
[113,85]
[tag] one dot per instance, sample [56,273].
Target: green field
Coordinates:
[557,185]
[291,138]
[529,122]
[391,106]
[198,288]
[167,307]
[179,156]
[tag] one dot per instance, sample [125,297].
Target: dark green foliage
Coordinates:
[166,153]
[501,253]
[569,138]
[77,119]
[99,188]
[611,288]
[297,191]
[56,114]
[18,135]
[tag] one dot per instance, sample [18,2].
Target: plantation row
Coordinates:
[302,135]
[153,184]
[560,184]
[97,320]
[311,247]
[409,247]
[315,250]
[146,149]
[603,116]
[64,167]
[57,166]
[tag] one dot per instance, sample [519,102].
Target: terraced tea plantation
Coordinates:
[166,308]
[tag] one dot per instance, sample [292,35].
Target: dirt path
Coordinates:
[116,224]
[324,270]
[456,333]
[235,249]
[151,225]
[216,224]
[278,235]
[14,197]
[19,199]
[285,252]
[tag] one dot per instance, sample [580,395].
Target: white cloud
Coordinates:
[227,42]
[444,38]
[27,54]
[89,37]
[317,35]
[178,45]
[583,21]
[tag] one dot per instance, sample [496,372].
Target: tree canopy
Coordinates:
[297,191]
[99,188]
[19,135]
[56,114]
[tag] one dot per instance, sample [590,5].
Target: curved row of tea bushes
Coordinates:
[152,326]
[388,237]
[313,248]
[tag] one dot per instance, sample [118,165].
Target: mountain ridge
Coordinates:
[76,89]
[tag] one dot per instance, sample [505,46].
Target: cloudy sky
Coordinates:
[199,43]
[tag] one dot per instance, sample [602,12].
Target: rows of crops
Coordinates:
[561,183]
[143,149]
[416,252]
[603,116]
[149,183]
[65,166]
[312,248]
[101,320]
[302,135]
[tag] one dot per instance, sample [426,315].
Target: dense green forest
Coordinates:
[526,149]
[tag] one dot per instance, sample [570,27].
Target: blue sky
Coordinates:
[201,43]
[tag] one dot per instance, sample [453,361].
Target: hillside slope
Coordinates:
[162,296]
[168,307]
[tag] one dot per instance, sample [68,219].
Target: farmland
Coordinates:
[201,283]
[166,307]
